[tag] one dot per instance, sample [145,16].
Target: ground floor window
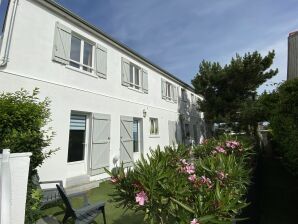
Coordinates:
[136,137]
[154,126]
[77,137]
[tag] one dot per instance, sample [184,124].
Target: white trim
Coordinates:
[81,71]
[88,91]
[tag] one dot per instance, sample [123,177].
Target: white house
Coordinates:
[108,103]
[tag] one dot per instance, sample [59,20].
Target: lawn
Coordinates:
[114,215]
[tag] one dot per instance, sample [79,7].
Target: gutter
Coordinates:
[9,33]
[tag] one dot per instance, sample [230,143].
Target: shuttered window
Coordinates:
[154,126]
[134,77]
[168,91]
[72,49]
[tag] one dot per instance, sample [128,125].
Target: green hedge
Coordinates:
[23,118]
[205,185]
[284,123]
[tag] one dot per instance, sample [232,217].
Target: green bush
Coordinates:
[22,129]
[284,123]
[206,185]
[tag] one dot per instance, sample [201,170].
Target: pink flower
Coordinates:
[220,149]
[221,175]
[114,180]
[232,144]
[206,180]
[141,198]
[194,221]
[183,161]
[192,178]
[190,169]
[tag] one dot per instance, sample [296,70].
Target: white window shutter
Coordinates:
[125,72]
[145,80]
[101,61]
[62,43]
[163,89]
[175,94]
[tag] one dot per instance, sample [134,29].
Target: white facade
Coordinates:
[73,91]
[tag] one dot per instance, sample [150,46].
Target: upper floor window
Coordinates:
[135,77]
[192,98]
[168,91]
[81,54]
[183,95]
[74,50]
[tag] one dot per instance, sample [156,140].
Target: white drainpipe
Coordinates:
[9,34]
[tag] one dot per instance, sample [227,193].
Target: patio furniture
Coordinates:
[83,215]
[49,195]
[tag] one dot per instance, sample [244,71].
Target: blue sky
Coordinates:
[179,34]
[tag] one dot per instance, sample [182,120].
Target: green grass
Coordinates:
[114,215]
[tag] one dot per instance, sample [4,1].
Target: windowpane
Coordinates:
[77,132]
[154,126]
[131,69]
[87,57]
[75,50]
[168,90]
[135,135]
[137,77]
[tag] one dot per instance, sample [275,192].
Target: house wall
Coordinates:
[30,65]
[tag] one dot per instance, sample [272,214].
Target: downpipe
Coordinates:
[9,34]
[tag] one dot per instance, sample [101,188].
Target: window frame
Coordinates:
[169,90]
[184,95]
[155,131]
[133,85]
[83,40]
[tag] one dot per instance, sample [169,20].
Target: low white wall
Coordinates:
[14,170]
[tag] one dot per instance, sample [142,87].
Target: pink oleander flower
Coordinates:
[232,144]
[190,169]
[213,152]
[183,161]
[141,198]
[114,180]
[221,175]
[206,180]
[192,178]
[194,221]
[220,149]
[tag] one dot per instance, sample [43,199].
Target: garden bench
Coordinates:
[83,215]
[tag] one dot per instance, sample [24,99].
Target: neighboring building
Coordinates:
[292,55]
[108,103]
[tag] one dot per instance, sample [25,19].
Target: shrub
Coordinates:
[206,185]
[22,129]
[284,123]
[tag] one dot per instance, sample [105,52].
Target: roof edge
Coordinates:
[59,8]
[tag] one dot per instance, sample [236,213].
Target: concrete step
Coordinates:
[80,184]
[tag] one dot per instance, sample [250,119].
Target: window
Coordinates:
[168,90]
[77,136]
[135,76]
[136,135]
[154,126]
[183,95]
[81,54]
[187,131]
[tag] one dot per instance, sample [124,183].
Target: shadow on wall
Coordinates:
[190,126]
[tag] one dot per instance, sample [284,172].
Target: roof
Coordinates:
[62,10]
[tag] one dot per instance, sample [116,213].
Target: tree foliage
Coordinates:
[22,129]
[226,88]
